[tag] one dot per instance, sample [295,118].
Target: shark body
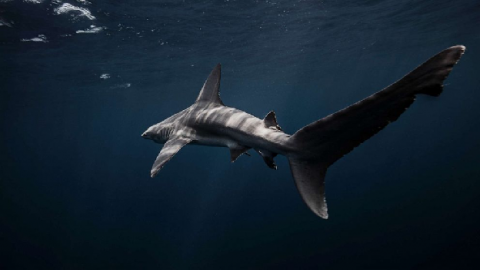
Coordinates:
[312,149]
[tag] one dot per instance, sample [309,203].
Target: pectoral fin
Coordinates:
[170,148]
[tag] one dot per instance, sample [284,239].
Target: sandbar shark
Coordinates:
[310,150]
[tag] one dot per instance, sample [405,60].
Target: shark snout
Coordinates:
[145,135]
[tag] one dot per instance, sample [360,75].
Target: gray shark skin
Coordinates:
[313,148]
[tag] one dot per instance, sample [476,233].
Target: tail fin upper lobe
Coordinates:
[323,142]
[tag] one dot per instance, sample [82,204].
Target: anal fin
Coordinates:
[268,158]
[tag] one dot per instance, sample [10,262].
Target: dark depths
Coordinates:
[79,83]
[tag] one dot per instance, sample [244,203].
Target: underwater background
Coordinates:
[81,80]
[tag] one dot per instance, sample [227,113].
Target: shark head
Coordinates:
[159,133]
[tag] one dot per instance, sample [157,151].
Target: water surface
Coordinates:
[81,80]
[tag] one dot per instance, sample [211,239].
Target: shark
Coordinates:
[312,149]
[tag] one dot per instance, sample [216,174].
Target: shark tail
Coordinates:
[323,142]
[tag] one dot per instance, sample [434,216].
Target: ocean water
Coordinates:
[81,80]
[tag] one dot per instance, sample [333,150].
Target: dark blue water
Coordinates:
[80,83]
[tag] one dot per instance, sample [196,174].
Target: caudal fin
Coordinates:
[309,178]
[323,142]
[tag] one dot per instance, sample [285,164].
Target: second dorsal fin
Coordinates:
[210,92]
[270,121]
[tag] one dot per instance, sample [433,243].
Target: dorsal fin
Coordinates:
[210,92]
[271,121]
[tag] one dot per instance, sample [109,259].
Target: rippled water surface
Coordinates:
[81,80]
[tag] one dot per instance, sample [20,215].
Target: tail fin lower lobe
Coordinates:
[323,142]
[309,178]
